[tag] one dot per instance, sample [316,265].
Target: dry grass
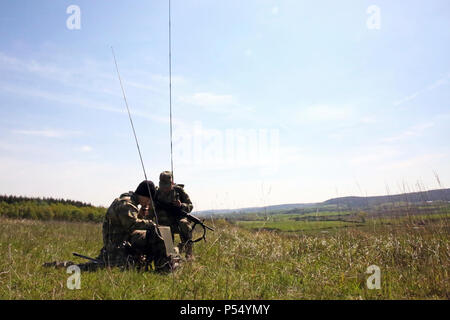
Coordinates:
[237,264]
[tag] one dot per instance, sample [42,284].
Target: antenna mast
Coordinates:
[135,136]
[170,87]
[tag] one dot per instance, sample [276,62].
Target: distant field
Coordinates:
[293,216]
[240,263]
[290,224]
[293,226]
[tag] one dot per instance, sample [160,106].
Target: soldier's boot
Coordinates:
[181,247]
[167,264]
[186,248]
[189,254]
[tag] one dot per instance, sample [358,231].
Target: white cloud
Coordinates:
[90,75]
[57,97]
[74,100]
[434,85]
[207,99]
[86,148]
[87,76]
[414,131]
[218,103]
[368,119]
[419,161]
[323,113]
[48,133]
[77,180]
[374,155]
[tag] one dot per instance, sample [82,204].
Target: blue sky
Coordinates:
[273,101]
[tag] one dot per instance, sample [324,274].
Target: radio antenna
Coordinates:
[135,136]
[170,87]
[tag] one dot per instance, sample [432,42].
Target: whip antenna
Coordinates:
[170,89]
[135,136]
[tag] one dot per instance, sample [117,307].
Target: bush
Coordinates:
[49,209]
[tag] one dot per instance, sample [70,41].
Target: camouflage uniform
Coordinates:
[125,233]
[181,226]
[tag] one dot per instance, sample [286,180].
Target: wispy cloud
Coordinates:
[434,85]
[57,97]
[73,100]
[413,131]
[87,76]
[72,179]
[90,75]
[323,113]
[86,149]
[48,133]
[207,99]
[81,82]
[416,161]
[217,103]
[374,155]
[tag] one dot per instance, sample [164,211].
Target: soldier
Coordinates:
[127,237]
[125,232]
[169,193]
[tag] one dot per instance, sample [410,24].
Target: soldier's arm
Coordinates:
[128,216]
[186,203]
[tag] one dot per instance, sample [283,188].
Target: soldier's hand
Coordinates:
[143,212]
[177,203]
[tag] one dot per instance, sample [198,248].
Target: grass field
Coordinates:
[237,263]
[332,222]
[294,226]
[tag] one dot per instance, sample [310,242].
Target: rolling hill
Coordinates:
[350,202]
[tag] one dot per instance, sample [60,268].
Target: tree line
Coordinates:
[18,207]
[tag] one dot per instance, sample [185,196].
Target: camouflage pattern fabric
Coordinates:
[125,234]
[127,239]
[121,220]
[181,226]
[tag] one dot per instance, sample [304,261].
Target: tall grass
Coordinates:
[237,264]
